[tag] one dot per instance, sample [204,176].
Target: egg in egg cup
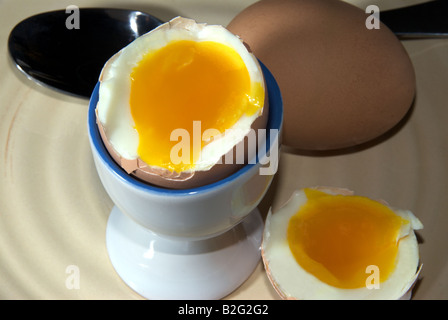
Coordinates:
[196,243]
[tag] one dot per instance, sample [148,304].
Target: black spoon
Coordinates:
[68,59]
[420,21]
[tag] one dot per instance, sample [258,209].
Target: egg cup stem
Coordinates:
[168,268]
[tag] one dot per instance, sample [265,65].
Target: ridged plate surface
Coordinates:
[53,208]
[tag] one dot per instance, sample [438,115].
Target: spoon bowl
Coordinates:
[70,60]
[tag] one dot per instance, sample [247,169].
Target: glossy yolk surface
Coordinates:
[183,82]
[336,238]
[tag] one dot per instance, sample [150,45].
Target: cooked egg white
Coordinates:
[181,80]
[331,244]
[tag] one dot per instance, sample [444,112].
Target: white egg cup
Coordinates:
[199,243]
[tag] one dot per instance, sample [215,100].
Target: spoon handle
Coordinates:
[426,20]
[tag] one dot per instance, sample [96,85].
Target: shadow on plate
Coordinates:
[354,149]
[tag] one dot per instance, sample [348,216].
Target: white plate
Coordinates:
[54,210]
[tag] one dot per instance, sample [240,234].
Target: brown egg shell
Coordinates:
[342,84]
[333,191]
[172,180]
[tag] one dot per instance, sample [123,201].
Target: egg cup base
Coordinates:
[164,268]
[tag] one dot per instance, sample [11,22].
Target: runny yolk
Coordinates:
[337,237]
[183,82]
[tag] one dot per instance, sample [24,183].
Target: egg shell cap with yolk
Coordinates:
[292,282]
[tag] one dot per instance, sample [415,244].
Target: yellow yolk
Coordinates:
[183,82]
[337,237]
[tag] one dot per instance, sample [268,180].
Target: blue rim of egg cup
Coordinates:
[275,121]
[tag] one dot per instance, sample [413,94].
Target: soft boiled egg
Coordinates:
[327,243]
[177,101]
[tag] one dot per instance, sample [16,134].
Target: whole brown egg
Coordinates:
[343,83]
